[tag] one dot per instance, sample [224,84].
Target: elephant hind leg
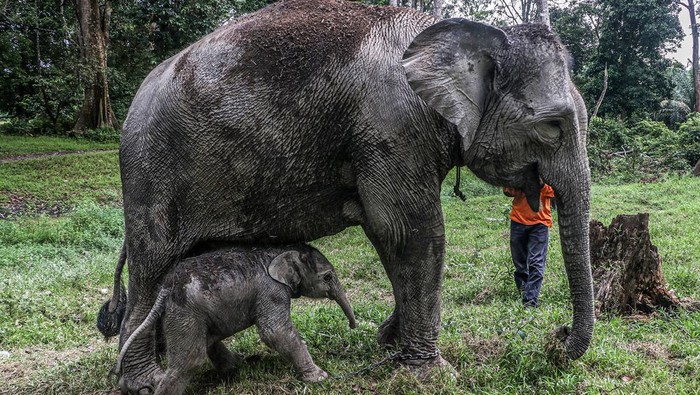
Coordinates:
[187,350]
[140,362]
[225,361]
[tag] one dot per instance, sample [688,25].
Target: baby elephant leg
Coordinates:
[186,350]
[281,336]
[225,361]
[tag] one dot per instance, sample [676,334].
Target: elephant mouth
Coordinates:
[532,186]
[527,179]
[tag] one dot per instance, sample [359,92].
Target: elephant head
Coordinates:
[519,117]
[309,273]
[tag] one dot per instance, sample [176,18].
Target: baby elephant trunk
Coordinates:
[344,303]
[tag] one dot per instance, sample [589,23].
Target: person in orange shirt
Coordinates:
[529,238]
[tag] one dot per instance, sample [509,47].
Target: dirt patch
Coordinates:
[18,158]
[19,206]
[482,297]
[22,365]
[485,350]
[652,350]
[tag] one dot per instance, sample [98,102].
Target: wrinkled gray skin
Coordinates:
[210,297]
[307,117]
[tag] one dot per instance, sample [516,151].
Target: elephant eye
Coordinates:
[550,130]
[328,277]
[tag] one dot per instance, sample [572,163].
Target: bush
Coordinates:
[15,127]
[660,148]
[645,150]
[104,134]
[689,139]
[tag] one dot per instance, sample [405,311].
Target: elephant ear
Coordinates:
[284,268]
[450,66]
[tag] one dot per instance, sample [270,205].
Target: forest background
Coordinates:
[72,67]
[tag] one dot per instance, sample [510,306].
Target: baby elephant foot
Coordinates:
[315,375]
[225,361]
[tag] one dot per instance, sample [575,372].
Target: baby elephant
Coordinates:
[207,298]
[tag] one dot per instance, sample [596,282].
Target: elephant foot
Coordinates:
[224,360]
[140,385]
[137,387]
[388,333]
[314,376]
[430,369]
[230,366]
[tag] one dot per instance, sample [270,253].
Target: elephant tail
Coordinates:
[110,316]
[118,289]
[150,320]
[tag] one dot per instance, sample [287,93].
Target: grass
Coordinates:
[54,185]
[55,271]
[11,146]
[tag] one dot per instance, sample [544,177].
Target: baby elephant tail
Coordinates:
[150,319]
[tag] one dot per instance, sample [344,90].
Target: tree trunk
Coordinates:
[602,93]
[394,3]
[437,8]
[543,13]
[96,110]
[696,169]
[696,63]
[627,274]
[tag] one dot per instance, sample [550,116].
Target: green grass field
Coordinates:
[56,270]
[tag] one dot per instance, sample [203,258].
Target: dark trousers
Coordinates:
[528,246]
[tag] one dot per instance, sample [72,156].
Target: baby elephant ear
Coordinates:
[285,269]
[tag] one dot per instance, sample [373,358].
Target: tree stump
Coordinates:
[626,267]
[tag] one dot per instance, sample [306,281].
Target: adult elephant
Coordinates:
[310,116]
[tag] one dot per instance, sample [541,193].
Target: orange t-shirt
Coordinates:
[523,214]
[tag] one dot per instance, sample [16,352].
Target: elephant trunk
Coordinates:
[572,189]
[344,303]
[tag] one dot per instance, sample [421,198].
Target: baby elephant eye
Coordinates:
[328,277]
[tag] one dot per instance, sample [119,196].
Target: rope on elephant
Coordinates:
[396,356]
[458,180]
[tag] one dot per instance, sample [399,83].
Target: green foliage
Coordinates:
[689,139]
[38,84]
[634,37]
[646,150]
[574,28]
[40,89]
[102,135]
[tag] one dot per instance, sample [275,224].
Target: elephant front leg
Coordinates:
[277,331]
[413,260]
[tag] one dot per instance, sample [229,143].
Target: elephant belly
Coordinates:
[287,219]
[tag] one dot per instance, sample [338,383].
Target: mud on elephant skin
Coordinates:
[208,298]
[310,116]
